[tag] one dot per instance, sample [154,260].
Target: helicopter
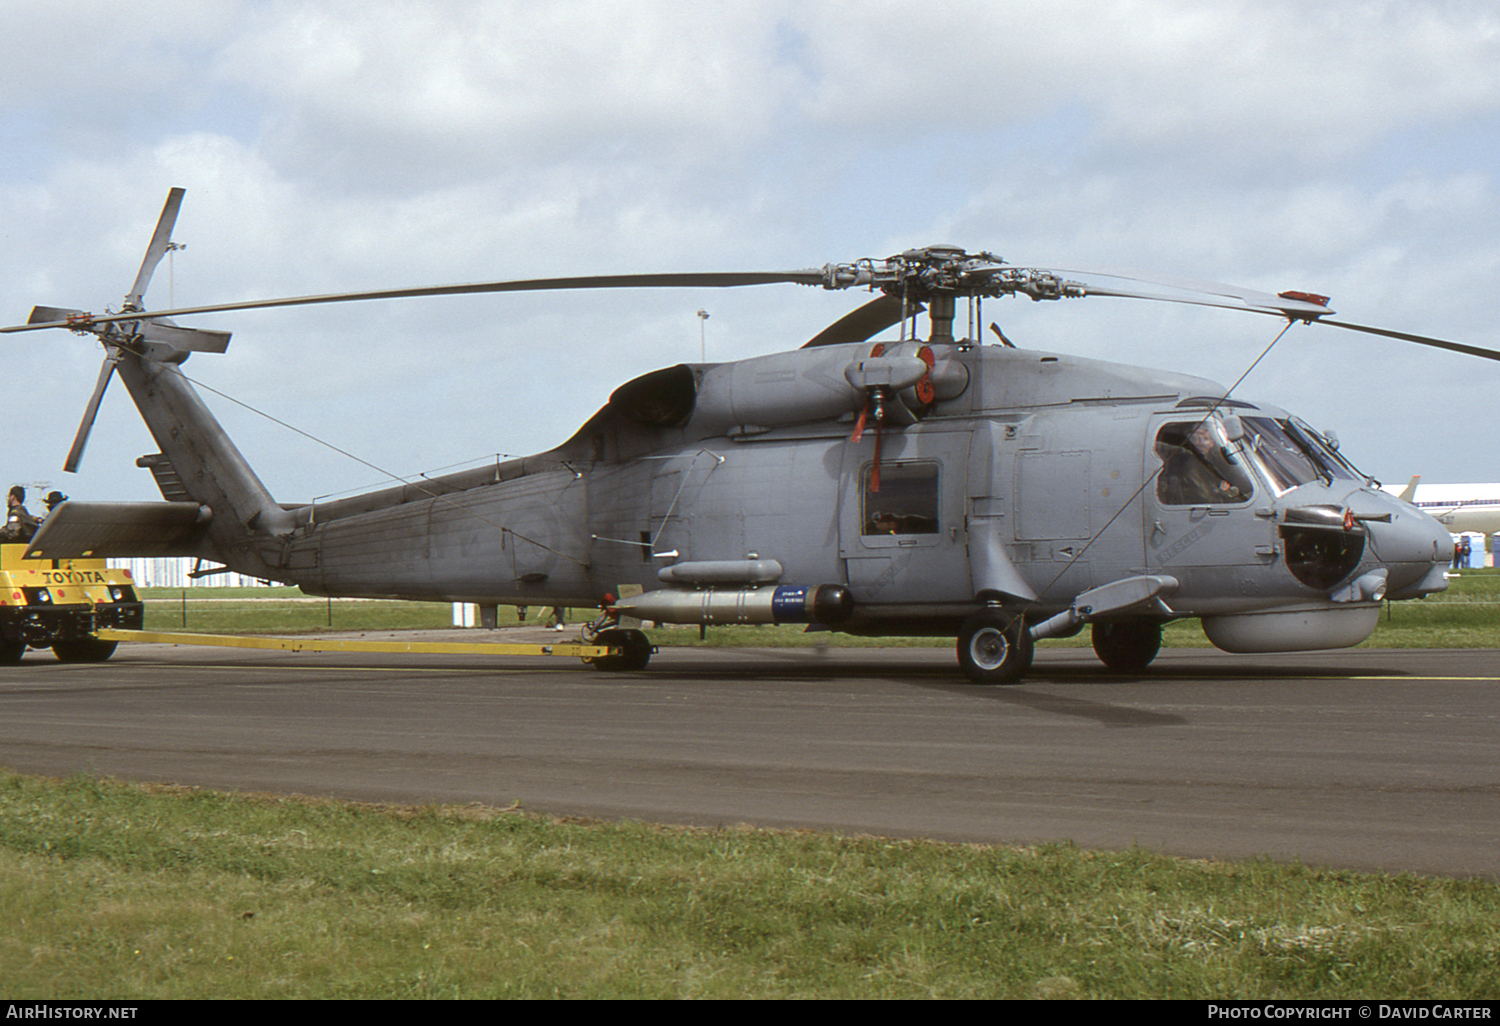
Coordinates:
[929,485]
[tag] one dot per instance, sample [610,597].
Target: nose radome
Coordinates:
[1413,546]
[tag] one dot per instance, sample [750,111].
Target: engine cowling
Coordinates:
[810,385]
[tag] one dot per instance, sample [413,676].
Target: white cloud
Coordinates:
[508,86]
[1343,148]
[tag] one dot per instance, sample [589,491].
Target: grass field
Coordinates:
[111,890]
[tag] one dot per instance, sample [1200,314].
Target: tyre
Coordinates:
[994,647]
[11,652]
[84,650]
[1129,645]
[634,657]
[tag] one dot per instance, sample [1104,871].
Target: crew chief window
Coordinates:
[904,499]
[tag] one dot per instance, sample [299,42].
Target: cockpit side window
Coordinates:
[1198,466]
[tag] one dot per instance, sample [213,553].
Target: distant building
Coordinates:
[173,571]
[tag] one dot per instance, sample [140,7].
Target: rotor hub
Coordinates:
[932,272]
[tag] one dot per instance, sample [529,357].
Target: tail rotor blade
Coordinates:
[80,440]
[158,249]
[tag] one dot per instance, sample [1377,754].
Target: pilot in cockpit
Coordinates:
[1195,470]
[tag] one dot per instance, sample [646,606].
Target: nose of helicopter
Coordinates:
[1413,547]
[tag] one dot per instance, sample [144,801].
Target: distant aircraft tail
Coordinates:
[1409,493]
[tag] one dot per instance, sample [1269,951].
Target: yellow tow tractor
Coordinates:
[60,604]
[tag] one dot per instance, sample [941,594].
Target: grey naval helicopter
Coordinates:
[915,487]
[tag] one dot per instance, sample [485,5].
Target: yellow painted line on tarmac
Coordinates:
[348,645]
[1412,676]
[446,671]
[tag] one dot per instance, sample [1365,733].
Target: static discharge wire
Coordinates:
[438,496]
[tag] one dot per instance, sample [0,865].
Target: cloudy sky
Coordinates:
[1345,148]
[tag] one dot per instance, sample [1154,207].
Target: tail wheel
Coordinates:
[994,647]
[1127,646]
[636,650]
[84,650]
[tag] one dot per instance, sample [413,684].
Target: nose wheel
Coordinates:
[1127,646]
[994,647]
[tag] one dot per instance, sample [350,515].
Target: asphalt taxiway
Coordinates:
[1364,759]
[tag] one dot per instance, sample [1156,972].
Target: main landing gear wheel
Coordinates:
[994,647]
[1128,646]
[636,650]
[84,650]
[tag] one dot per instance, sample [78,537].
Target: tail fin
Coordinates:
[246,526]
[1409,493]
[217,508]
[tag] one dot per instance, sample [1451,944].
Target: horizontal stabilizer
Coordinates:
[53,314]
[191,340]
[74,530]
[187,340]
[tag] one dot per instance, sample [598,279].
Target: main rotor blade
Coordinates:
[1294,309]
[1231,297]
[859,324]
[1247,297]
[80,440]
[1421,340]
[1263,302]
[812,276]
[157,249]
